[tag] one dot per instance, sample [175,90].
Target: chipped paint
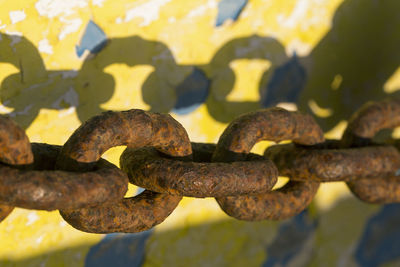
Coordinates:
[17,16]
[45,47]
[148,11]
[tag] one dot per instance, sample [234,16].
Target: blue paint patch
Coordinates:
[118,250]
[192,92]
[290,240]
[285,85]
[229,9]
[380,242]
[93,40]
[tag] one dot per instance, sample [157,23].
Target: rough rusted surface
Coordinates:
[379,190]
[362,127]
[15,148]
[370,119]
[149,169]
[327,165]
[131,215]
[279,204]
[4,211]
[274,124]
[39,186]
[133,128]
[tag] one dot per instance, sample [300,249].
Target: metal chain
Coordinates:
[89,191]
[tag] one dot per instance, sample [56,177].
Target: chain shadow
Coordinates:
[353,61]
[350,233]
[348,67]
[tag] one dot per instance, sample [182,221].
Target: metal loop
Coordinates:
[39,186]
[362,127]
[329,163]
[133,128]
[15,149]
[149,169]
[274,124]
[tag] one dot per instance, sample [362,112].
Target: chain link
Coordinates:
[89,191]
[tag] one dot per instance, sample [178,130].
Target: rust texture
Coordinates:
[324,164]
[370,119]
[279,204]
[130,215]
[133,128]
[15,148]
[239,137]
[5,211]
[363,125]
[273,124]
[149,169]
[39,186]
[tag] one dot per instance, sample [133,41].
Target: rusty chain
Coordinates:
[90,192]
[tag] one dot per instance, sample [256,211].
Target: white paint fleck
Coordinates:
[149,12]
[45,47]
[39,239]
[63,224]
[118,20]
[2,26]
[71,26]
[66,112]
[299,12]
[54,8]
[298,47]
[32,217]
[17,16]
[171,20]
[98,2]
[201,10]
[5,109]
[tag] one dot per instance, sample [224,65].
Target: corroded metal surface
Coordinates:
[149,169]
[39,186]
[370,119]
[133,128]
[279,204]
[15,148]
[274,124]
[89,191]
[130,215]
[325,164]
[4,211]
[362,127]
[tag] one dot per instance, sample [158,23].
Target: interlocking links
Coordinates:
[275,124]
[133,128]
[15,149]
[41,187]
[328,162]
[362,127]
[370,119]
[150,169]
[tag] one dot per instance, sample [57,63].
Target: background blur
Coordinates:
[205,62]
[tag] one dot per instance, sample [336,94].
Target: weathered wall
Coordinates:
[205,62]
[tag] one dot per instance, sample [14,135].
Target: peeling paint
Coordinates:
[45,47]
[17,16]
[149,12]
